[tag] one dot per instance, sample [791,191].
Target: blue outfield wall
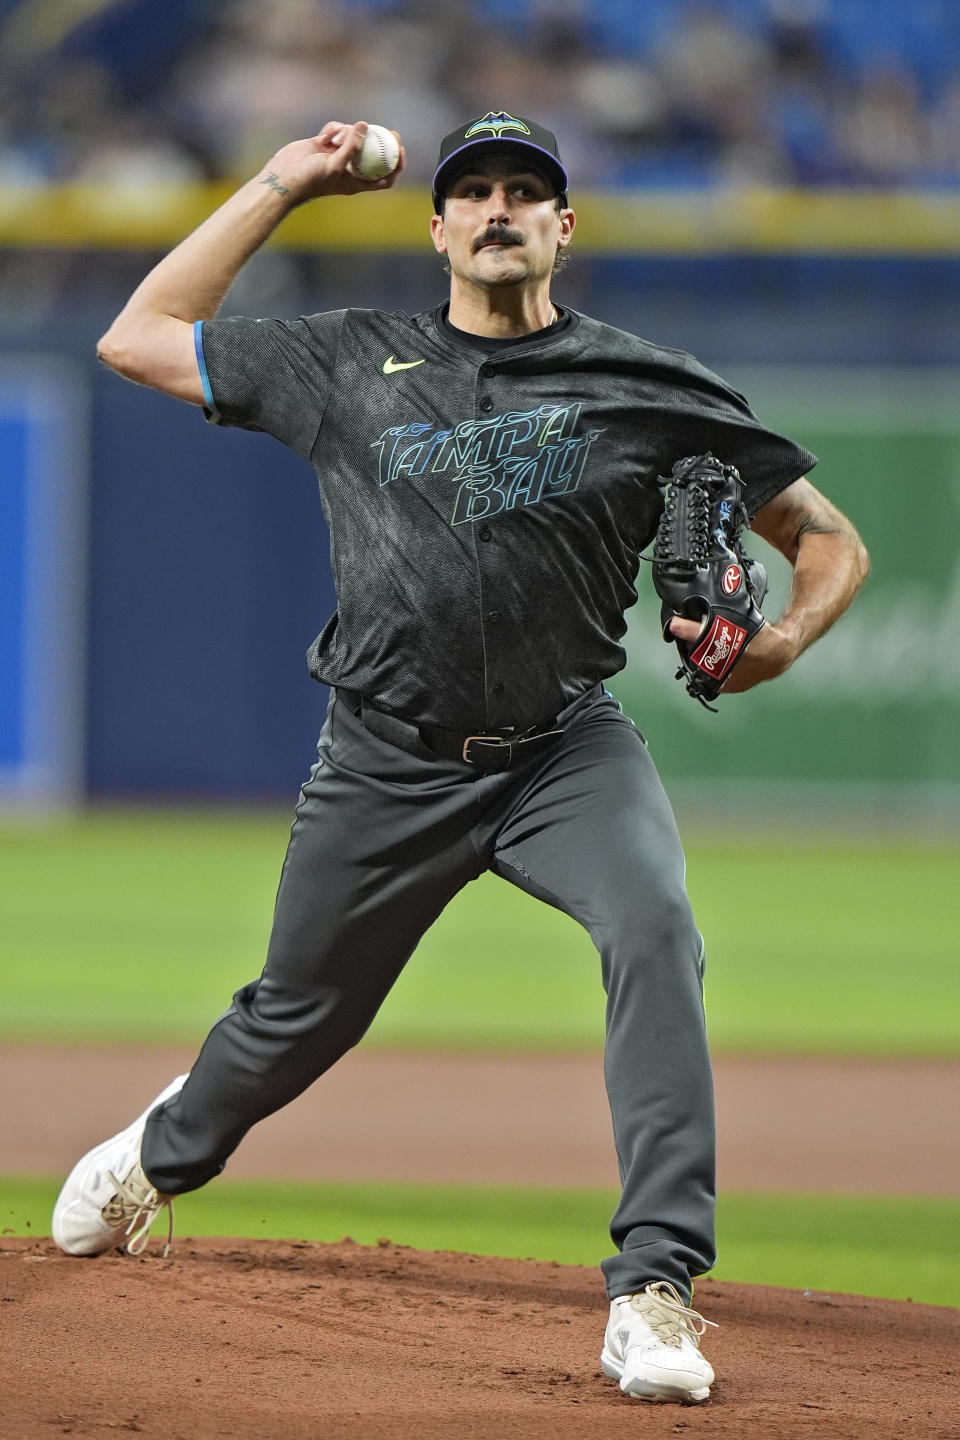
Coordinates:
[43,474]
[209,576]
[208,571]
[13,505]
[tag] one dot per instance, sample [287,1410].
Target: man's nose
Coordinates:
[498,209]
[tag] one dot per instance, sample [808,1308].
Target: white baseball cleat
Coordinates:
[652,1346]
[107,1198]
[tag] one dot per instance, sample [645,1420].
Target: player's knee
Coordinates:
[651,934]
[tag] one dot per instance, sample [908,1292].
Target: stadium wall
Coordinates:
[206,554]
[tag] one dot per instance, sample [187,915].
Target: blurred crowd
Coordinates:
[639,92]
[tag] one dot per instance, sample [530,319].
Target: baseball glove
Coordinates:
[701,572]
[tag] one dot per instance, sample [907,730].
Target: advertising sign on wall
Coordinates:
[869,716]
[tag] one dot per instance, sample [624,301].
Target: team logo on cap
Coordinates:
[496,123]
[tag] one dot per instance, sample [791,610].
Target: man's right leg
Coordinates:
[380,844]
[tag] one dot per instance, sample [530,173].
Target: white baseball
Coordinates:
[380,155]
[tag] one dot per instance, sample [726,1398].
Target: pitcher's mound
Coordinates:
[271,1339]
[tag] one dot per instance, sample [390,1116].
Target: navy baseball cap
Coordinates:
[499,131]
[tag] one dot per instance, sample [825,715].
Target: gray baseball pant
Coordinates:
[383,839]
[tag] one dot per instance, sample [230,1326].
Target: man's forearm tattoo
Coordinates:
[275,184]
[817,525]
[808,514]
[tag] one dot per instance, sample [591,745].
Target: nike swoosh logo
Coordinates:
[390,365]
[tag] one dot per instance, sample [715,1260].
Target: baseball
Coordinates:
[380,155]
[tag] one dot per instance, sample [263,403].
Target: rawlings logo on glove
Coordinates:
[701,572]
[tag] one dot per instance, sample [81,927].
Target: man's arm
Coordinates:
[151,340]
[830,563]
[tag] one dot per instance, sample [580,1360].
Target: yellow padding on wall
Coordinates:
[650,222]
[40,25]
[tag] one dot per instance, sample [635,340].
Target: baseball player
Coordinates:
[489,473]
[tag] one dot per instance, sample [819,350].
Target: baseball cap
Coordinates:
[499,131]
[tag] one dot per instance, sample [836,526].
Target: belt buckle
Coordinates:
[486,739]
[469,740]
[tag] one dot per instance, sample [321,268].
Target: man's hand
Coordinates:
[308,169]
[769,653]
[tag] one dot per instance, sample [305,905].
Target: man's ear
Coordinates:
[437,235]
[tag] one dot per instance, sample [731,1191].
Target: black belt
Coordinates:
[488,750]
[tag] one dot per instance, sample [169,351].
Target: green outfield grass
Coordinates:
[900,1248]
[121,927]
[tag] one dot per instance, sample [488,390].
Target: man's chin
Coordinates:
[497,265]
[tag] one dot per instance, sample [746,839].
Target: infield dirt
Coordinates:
[274,1339]
[803,1124]
[284,1341]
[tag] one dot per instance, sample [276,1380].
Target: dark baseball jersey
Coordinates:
[487,510]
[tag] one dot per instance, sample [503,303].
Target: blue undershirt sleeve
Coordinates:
[209,406]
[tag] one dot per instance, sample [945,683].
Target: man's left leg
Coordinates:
[594,835]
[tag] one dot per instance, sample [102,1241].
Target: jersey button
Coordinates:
[485,532]
[486,404]
[497,689]
[494,617]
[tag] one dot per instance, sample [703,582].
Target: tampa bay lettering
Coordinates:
[519,458]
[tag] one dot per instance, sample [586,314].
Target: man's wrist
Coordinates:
[273,182]
[272,188]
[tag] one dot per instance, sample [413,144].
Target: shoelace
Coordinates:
[669,1318]
[140,1207]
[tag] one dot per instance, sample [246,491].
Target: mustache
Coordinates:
[497,235]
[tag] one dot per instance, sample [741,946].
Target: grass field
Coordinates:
[904,1249]
[125,927]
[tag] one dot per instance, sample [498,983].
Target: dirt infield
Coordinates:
[259,1340]
[799,1124]
[279,1340]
